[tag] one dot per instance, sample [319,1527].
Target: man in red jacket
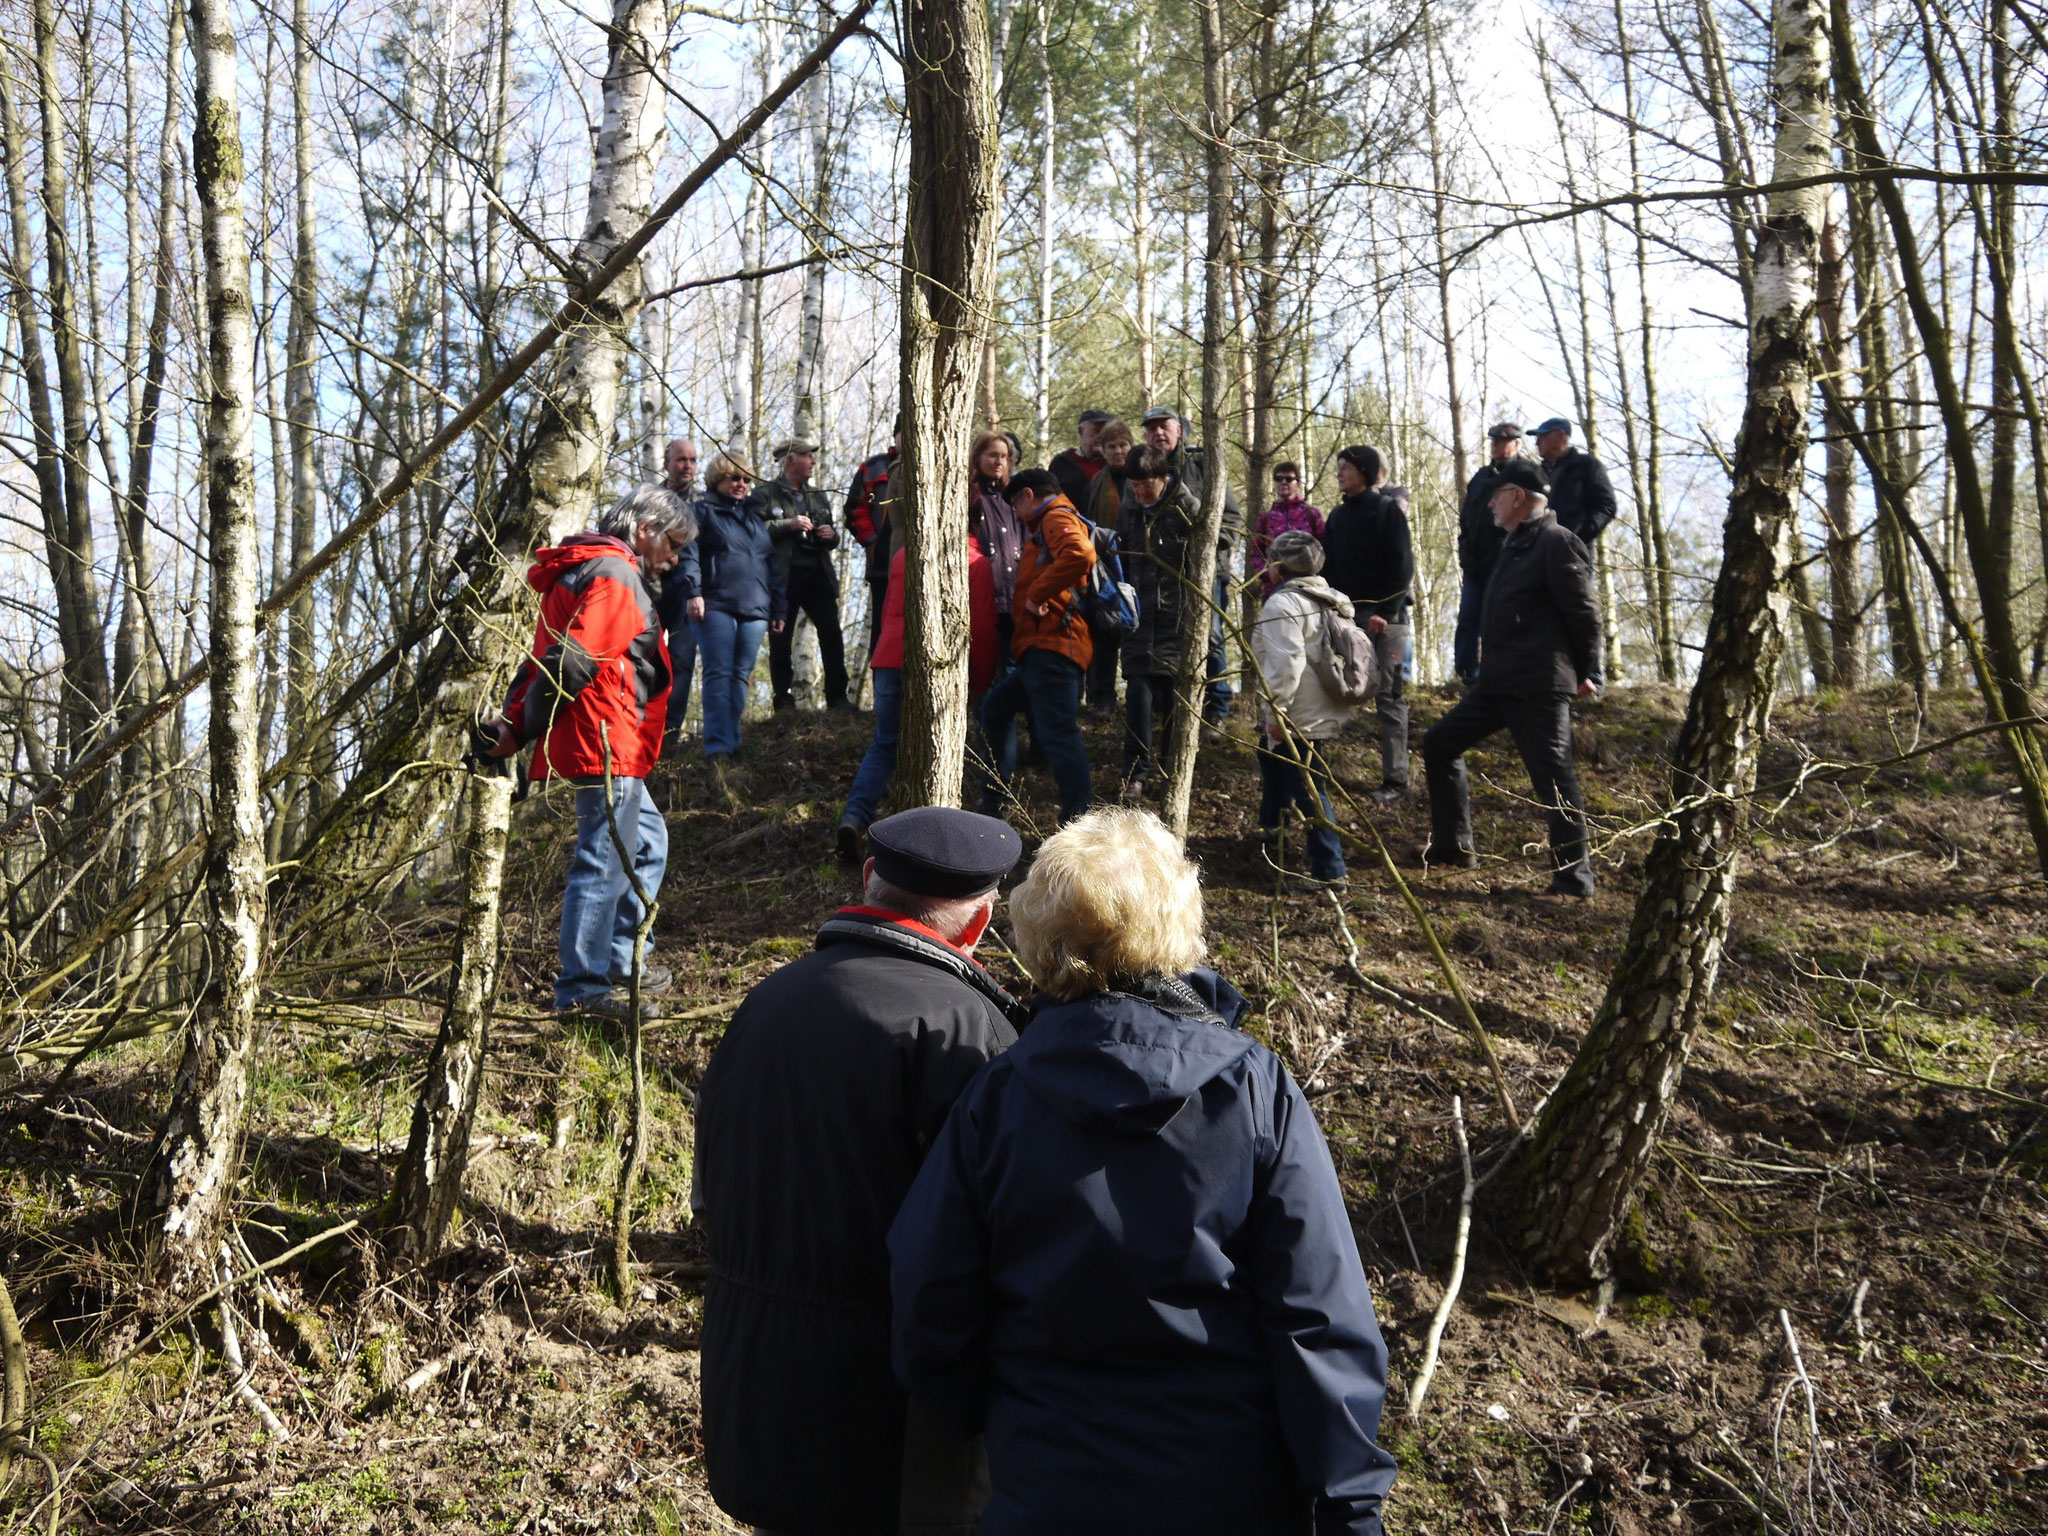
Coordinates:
[595,688]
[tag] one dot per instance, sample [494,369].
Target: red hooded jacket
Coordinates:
[599,659]
[984,647]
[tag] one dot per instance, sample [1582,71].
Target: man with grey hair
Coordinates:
[594,693]
[819,1104]
[1539,648]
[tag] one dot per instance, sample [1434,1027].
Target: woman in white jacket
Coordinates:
[1296,712]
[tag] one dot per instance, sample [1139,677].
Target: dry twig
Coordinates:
[1419,1388]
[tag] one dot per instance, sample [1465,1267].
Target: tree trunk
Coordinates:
[552,492]
[1838,503]
[428,1185]
[302,408]
[1999,663]
[806,420]
[1650,504]
[1589,1154]
[947,286]
[197,1157]
[1439,186]
[1042,377]
[1141,224]
[1183,737]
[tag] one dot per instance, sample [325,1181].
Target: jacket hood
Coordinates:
[553,563]
[1129,1060]
[1316,590]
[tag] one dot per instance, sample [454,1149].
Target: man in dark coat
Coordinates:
[1076,468]
[1369,556]
[1581,495]
[1539,648]
[1155,525]
[1166,431]
[819,1104]
[1479,540]
[799,518]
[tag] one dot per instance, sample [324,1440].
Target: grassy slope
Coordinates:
[1887,935]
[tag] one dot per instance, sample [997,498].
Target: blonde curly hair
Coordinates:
[1112,895]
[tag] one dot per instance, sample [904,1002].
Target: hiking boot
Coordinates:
[1450,858]
[1567,885]
[846,842]
[616,1005]
[1133,792]
[1389,794]
[1213,733]
[653,978]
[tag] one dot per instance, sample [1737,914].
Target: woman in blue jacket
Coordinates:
[1127,1259]
[733,596]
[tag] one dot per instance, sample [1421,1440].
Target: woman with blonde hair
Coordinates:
[1127,1260]
[734,596]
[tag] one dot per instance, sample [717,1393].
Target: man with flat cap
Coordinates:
[1479,540]
[799,518]
[1581,494]
[1539,648]
[832,1081]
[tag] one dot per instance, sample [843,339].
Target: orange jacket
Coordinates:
[1058,554]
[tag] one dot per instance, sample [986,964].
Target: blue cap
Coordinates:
[1555,424]
[938,851]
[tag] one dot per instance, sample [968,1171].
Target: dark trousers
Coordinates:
[1465,640]
[1148,717]
[1102,676]
[682,661]
[1393,650]
[1049,686]
[1295,774]
[1541,724]
[816,595]
[1217,700]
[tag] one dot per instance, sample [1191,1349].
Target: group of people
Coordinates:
[669,579]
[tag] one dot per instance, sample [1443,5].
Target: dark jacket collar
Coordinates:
[880,928]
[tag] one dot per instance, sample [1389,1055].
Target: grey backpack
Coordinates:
[1345,662]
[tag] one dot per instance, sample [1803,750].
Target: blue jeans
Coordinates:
[1049,686]
[600,912]
[1294,775]
[728,646]
[871,780]
[1465,640]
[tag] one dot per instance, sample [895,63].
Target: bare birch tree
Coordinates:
[1588,1155]
[197,1156]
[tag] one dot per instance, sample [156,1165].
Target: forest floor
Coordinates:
[1856,1161]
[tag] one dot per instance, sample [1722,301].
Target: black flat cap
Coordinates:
[1505,432]
[1523,475]
[937,851]
[1099,418]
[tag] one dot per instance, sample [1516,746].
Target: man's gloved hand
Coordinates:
[491,745]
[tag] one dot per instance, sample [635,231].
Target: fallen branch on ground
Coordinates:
[1419,1388]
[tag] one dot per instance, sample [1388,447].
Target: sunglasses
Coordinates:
[1287,479]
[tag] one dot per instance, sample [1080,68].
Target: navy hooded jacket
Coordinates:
[1127,1260]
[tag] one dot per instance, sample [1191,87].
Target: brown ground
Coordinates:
[1889,947]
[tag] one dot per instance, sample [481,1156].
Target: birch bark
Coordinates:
[197,1158]
[1587,1156]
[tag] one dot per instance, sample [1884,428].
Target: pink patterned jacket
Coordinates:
[1284,516]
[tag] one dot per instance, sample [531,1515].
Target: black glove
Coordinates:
[482,756]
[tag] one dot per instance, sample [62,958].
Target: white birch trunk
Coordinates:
[806,419]
[1042,381]
[198,1156]
[1599,1133]
[1141,223]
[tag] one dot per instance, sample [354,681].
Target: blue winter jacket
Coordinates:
[1128,1262]
[731,562]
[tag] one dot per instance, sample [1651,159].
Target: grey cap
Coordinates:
[1296,552]
[795,445]
[1160,413]
[1505,431]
